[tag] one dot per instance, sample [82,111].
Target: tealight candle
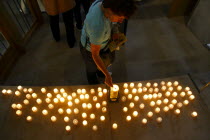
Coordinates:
[99,89]
[19,106]
[100,94]
[150,114]
[168,94]
[55,90]
[105,91]
[150,90]
[159,119]
[140,90]
[141,106]
[69,97]
[85,123]
[131,85]
[82,96]
[76,111]
[83,91]
[87,96]
[186,102]
[135,113]
[156,90]
[95,98]
[65,95]
[14,106]
[68,128]
[165,109]
[104,103]
[74,94]
[29,118]
[62,90]
[145,97]
[134,90]
[28,96]
[17,93]
[152,103]
[26,102]
[66,119]
[125,109]
[189,93]
[123,98]
[60,111]
[163,88]
[4,91]
[19,87]
[98,105]
[114,126]
[144,121]
[84,105]
[68,111]
[92,116]
[131,105]
[144,89]
[104,109]
[44,112]
[170,89]
[53,118]
[34,109]
[125,85]
[157,109]
[174,94]
[92,91]
[159,95]
[177,111]
[58,96]
[25,90]
[136,98]
[70,103]
[176,83]
[102,118]
[49,95]
[150,96]
[148,84]
[47,100]
[162,83]
[95,128]
[169,84]
[130,96]
[75,121]
[19,112]
[179,88]
[76,101]
[30,90]
[50,106]
[79,91]
[34,95]
[128,118]
[174,101]
[165,101]
[171,106]
[39,101]
[179,105]
[194,114]
[84,115]
[192,97]
[182,94]
[89,105]
[187,89]
[158,102]
[43,90]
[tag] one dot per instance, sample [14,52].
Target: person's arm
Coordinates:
[95,49]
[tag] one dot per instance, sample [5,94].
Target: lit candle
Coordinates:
[68,111]
[82,96]
[141,106]
[53,118]
[157,109]
[87,96]
[76,101]
[69,97]
[150,90]
[168,94]
[79,91]
[84,115]
[17,93]
[76,111]
[30,90]
[98,105]
[134,90]
[26,102]
[148,84]
[28,96]
[144,89]
[95,128]
[114,92]
[174,101]
[169,84]
[75,121]
[29,118]
[19,112]
[99,89]
[150,96]
[152,103]
[144,121]
[19,106]
[187,89]
[140,90]
[50,106]
[131,85]
[58,96]
[84,105]
[155,84]
[102,118]
[125,109]
[49,95]
[128,118]
[159,119]
[68,128]
[156,90]
[136,98]
[83,91]
[114,126]
[179,105]
[4,91]
[43,90]
[177,111]
[25,90]
[174,94]
[186,102]
[131,105]
[62,90]
[179,88]
[39,101]
[182,94]
[170,89]
[158,102]
[85,123]
[65,94]
[34,109]
[92,116]
[89,105]
[66,119]
[163,88]
[171,106]
[154,96]
[105,91]
[74,94]
[150,114]
[194,114]
[145,97]
[162,83]
[34,95]
[14,106]
[125,85]
[47,100]
[130,96]
[189,92]
[123,98]
[159,95]
[100,94]
[95,98]
[104,103]
[165,109]
[135,113]
[192,97]
[92,91]
[70,103]
[55,90]
[104,109]
[19,87]
[44,112]
[176,83]
[60,111]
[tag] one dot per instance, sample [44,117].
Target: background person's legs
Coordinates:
[54,25]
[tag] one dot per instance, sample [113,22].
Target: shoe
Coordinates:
[71,42]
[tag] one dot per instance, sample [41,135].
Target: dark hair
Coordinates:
[121,7]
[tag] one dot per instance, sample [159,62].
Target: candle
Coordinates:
[85,123]
[79,91]
[75,121]
[157,109]
[171,106]
[168,94]
[104,103]
[148,84]
[14,106]
[44,112]
[50,106]
[179,88]
[84,115]
[150,114]
[150,90]
[19,106]
[29,118]
[169,84]
[82,96]
[53,118]
[125,109]
[68,128]
[19,112]
[60,111]
[174,94]
[130,96]
[114,126]
[28,96]
[131,105]
[17,93]
[145,97]
[19,87]
[99,89]
[55,90]
[194,114]
[65,94]
[58,96]
[163,88]
[136,98]
[144,89]
[114,92]
[25,90]
[152,103]
[187,89]
[43,90]
[158,102]
[135,113]
[134,90]
[174,101]
[47,100]
[62,90]
[89,105]
[104,109]
[192,97]
[66,119]
[76,111]
[162,83]
[87,96]
[140,90]
[189,93]
[144,121]
[128,118]
[170,89]
[30,90]
[176,83]
[100,94]
[177,111]
[39,101]
[49,95]
[156,90]
[131,85]
[76,101]
[83,91]
[84,105]
[155,84]
[123,98]
[159,119]
[34,95]
[4,91]
[150,96]
[70,103]
[186,102]
[165,101]
[34,109]
[141,106]
[159,95]
[94,98]
[125,85]
[95,128]
[92,116]
[179,105]
[98,105]
[69,97]
[182,94]
[92,91]
[165,109]
[105,91]
[68,111]
[26,102]
[102,118]
[74,94]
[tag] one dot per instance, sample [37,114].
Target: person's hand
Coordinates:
[108,81]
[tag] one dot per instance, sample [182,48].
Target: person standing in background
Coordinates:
[64,7]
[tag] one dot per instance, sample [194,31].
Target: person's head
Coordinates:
[118,10]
